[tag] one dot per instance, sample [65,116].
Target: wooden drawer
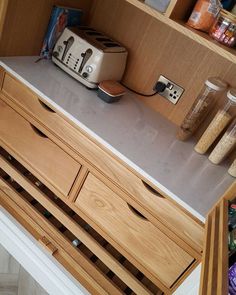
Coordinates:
[98,266]
[214,273]
[149,247]
[160,207]
[40,153]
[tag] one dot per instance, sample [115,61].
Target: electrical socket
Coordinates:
[173,92]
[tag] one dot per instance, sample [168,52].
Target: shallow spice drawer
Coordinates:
[36,150]
[152,251]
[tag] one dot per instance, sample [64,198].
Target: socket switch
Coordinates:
[173,92]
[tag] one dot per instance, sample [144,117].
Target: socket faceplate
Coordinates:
[173,92]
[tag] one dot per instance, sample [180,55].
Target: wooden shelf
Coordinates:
[178,25]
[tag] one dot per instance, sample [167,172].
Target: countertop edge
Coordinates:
[106,144]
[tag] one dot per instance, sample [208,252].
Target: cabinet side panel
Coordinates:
[26,23]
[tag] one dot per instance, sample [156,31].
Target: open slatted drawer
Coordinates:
[50,219]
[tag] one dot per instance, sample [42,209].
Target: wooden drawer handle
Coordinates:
[152,190]
[48,245]
[36,130]
[46,107]
[136,212]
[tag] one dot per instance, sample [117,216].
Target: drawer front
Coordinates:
[161,208]
[159,255]
[40,153]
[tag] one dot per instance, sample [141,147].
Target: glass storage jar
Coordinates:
[217,125]
[232,169]
[224,28]
[225,145]
[201,107]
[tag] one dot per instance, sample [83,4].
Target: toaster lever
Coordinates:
[68,43]
[86,55]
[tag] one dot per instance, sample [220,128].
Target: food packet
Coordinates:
[232,279]
[204,14]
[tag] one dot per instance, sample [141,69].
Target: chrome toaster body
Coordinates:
[89,56]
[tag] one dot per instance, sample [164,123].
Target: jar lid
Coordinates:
[228,14]
[216,83]
[231,94]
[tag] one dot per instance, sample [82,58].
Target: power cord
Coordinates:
[159,87]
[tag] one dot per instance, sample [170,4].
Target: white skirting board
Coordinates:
[35,260]
[191,285]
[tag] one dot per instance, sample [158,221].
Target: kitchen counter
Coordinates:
[132,131]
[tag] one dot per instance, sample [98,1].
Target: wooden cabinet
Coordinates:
[138,192]
[176,17]
[130,237]
[214,275]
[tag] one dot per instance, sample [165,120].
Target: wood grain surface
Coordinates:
[139,237]
[39,152]
[155,48]
[26,24]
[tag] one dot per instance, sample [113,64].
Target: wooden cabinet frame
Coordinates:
[214,274]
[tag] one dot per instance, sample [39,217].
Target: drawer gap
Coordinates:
[68,235]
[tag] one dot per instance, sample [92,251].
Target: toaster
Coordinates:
[89,56]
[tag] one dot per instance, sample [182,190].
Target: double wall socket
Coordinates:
[173,92]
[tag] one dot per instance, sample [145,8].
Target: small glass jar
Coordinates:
[201,107]
[217,125]
[232,169]
[224,28]
[225,145]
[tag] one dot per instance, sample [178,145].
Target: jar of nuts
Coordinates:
[201,107]
[225,145]
[218,124]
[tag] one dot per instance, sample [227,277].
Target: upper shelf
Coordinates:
[171,19]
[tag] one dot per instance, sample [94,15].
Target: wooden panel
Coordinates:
[48,245]
[2,74]
[214,274]
[26,23]
[155,48]
[39,152]
[182,9]
[161,208]
[150,247]
[3,10]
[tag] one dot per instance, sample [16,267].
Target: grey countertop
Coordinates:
[141,137]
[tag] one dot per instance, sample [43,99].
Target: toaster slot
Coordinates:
[87,29]
[94,33]
[100,39]
[111,44]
